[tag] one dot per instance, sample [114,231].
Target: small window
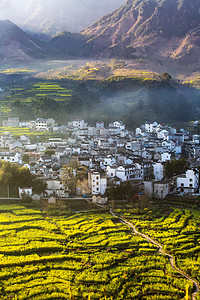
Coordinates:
[97,189]
[156,191]
[97,177]
[190,184]
[190,179]
[97,183]
[111,174]
[182,184]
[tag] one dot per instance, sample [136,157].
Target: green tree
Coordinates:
[166,76]
[175,167]
[13,176]
[72,173]
[39,186]
[123,191]
[49,152]
[26,158]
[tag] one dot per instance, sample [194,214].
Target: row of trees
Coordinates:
[11,175]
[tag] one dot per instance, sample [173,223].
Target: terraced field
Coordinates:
[43,89]
[178,232]
[82,256]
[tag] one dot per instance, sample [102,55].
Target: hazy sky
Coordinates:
[56,15]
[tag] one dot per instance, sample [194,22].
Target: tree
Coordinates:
[39,186]
[166,76]
[49,152]
[123,191]
[26,158]
[175,167]
[72,173]
[14,176]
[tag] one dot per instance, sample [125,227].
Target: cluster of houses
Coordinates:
[39,124]
[112,155]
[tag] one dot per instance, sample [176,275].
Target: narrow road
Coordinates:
[170,257]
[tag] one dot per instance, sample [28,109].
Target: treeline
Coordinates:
[13,176]
[81,102]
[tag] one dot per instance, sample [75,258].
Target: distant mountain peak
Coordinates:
[157,28]
[15,44]
[51,17]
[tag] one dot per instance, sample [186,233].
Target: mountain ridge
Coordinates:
[15,44]
[51,17]
[165,29]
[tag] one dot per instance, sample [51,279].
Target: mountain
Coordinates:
[53,16]
[17,45]
[141,28]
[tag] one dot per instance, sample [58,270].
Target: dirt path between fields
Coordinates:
[170,257]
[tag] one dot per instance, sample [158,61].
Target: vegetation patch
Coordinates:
[82,256]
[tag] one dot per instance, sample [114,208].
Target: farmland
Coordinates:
[89,255]
[177,231]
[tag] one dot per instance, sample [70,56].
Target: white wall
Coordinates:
[158,171]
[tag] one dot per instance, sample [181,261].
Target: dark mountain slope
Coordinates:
[15,44]
[157,28]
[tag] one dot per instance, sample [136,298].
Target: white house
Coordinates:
[41,148]
[157,189]
[14,158]
[99,124]
[6,140]
[11,122]
[111,171]
[165,157]
[97,183]
[123,133]
[56,188]
[107,161]
[24,124]
[150,127]
[31,147]
[196,139]
[189,182]
[126,172]
[158,171]
[163,134]
[16,147]
[25,139]
[119,124]
[44,124]
[25,191]
[79,124]
[138,131]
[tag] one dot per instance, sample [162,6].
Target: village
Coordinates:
[111,155]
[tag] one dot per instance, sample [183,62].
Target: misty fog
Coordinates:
[51,16]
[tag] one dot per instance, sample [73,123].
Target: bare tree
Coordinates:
[72,173]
